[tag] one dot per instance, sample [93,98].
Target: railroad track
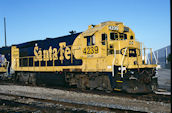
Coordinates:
[160,95]
[95,100]
[162,92]
[35,105]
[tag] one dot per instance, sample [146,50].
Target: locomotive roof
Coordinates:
[32,43]
[90,32]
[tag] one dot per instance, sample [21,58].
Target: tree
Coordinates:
[169,57]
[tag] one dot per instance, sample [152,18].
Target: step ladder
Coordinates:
[118,84]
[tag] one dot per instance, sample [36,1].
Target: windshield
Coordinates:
[118,36]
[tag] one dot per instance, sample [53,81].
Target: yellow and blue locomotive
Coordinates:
[4,62]
[105,56]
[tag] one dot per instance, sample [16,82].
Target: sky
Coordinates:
[28,20]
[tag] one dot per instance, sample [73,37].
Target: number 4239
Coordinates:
[91,50]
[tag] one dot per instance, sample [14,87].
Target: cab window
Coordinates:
[121,35]
[125,36]
[104,38]
[90,40]
[93,40]
[131,37]
[113,36]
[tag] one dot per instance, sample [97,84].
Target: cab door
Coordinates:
[101,61]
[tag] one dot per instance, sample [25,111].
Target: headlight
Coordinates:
[123,68]
[132,72]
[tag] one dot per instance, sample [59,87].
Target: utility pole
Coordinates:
[5,32]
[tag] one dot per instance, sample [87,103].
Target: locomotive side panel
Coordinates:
[47,55]
[5,60]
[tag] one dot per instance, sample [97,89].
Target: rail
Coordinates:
[7,66]
[113,62]
[146,56]
[156,59]
[122,62]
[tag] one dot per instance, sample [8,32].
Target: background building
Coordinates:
[161,55]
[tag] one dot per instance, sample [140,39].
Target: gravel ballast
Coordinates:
[86,98]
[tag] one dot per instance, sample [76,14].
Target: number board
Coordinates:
[91,50]
[113,27]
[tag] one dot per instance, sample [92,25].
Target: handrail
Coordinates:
[146,56]
[122,62]
[113,62]
[7,66]
[27,57]
[155,57]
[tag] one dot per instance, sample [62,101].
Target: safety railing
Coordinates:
[113,73]
[148,60]
[122,62]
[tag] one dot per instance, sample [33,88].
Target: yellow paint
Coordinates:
[119,81]
[117,89]
[3,69]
